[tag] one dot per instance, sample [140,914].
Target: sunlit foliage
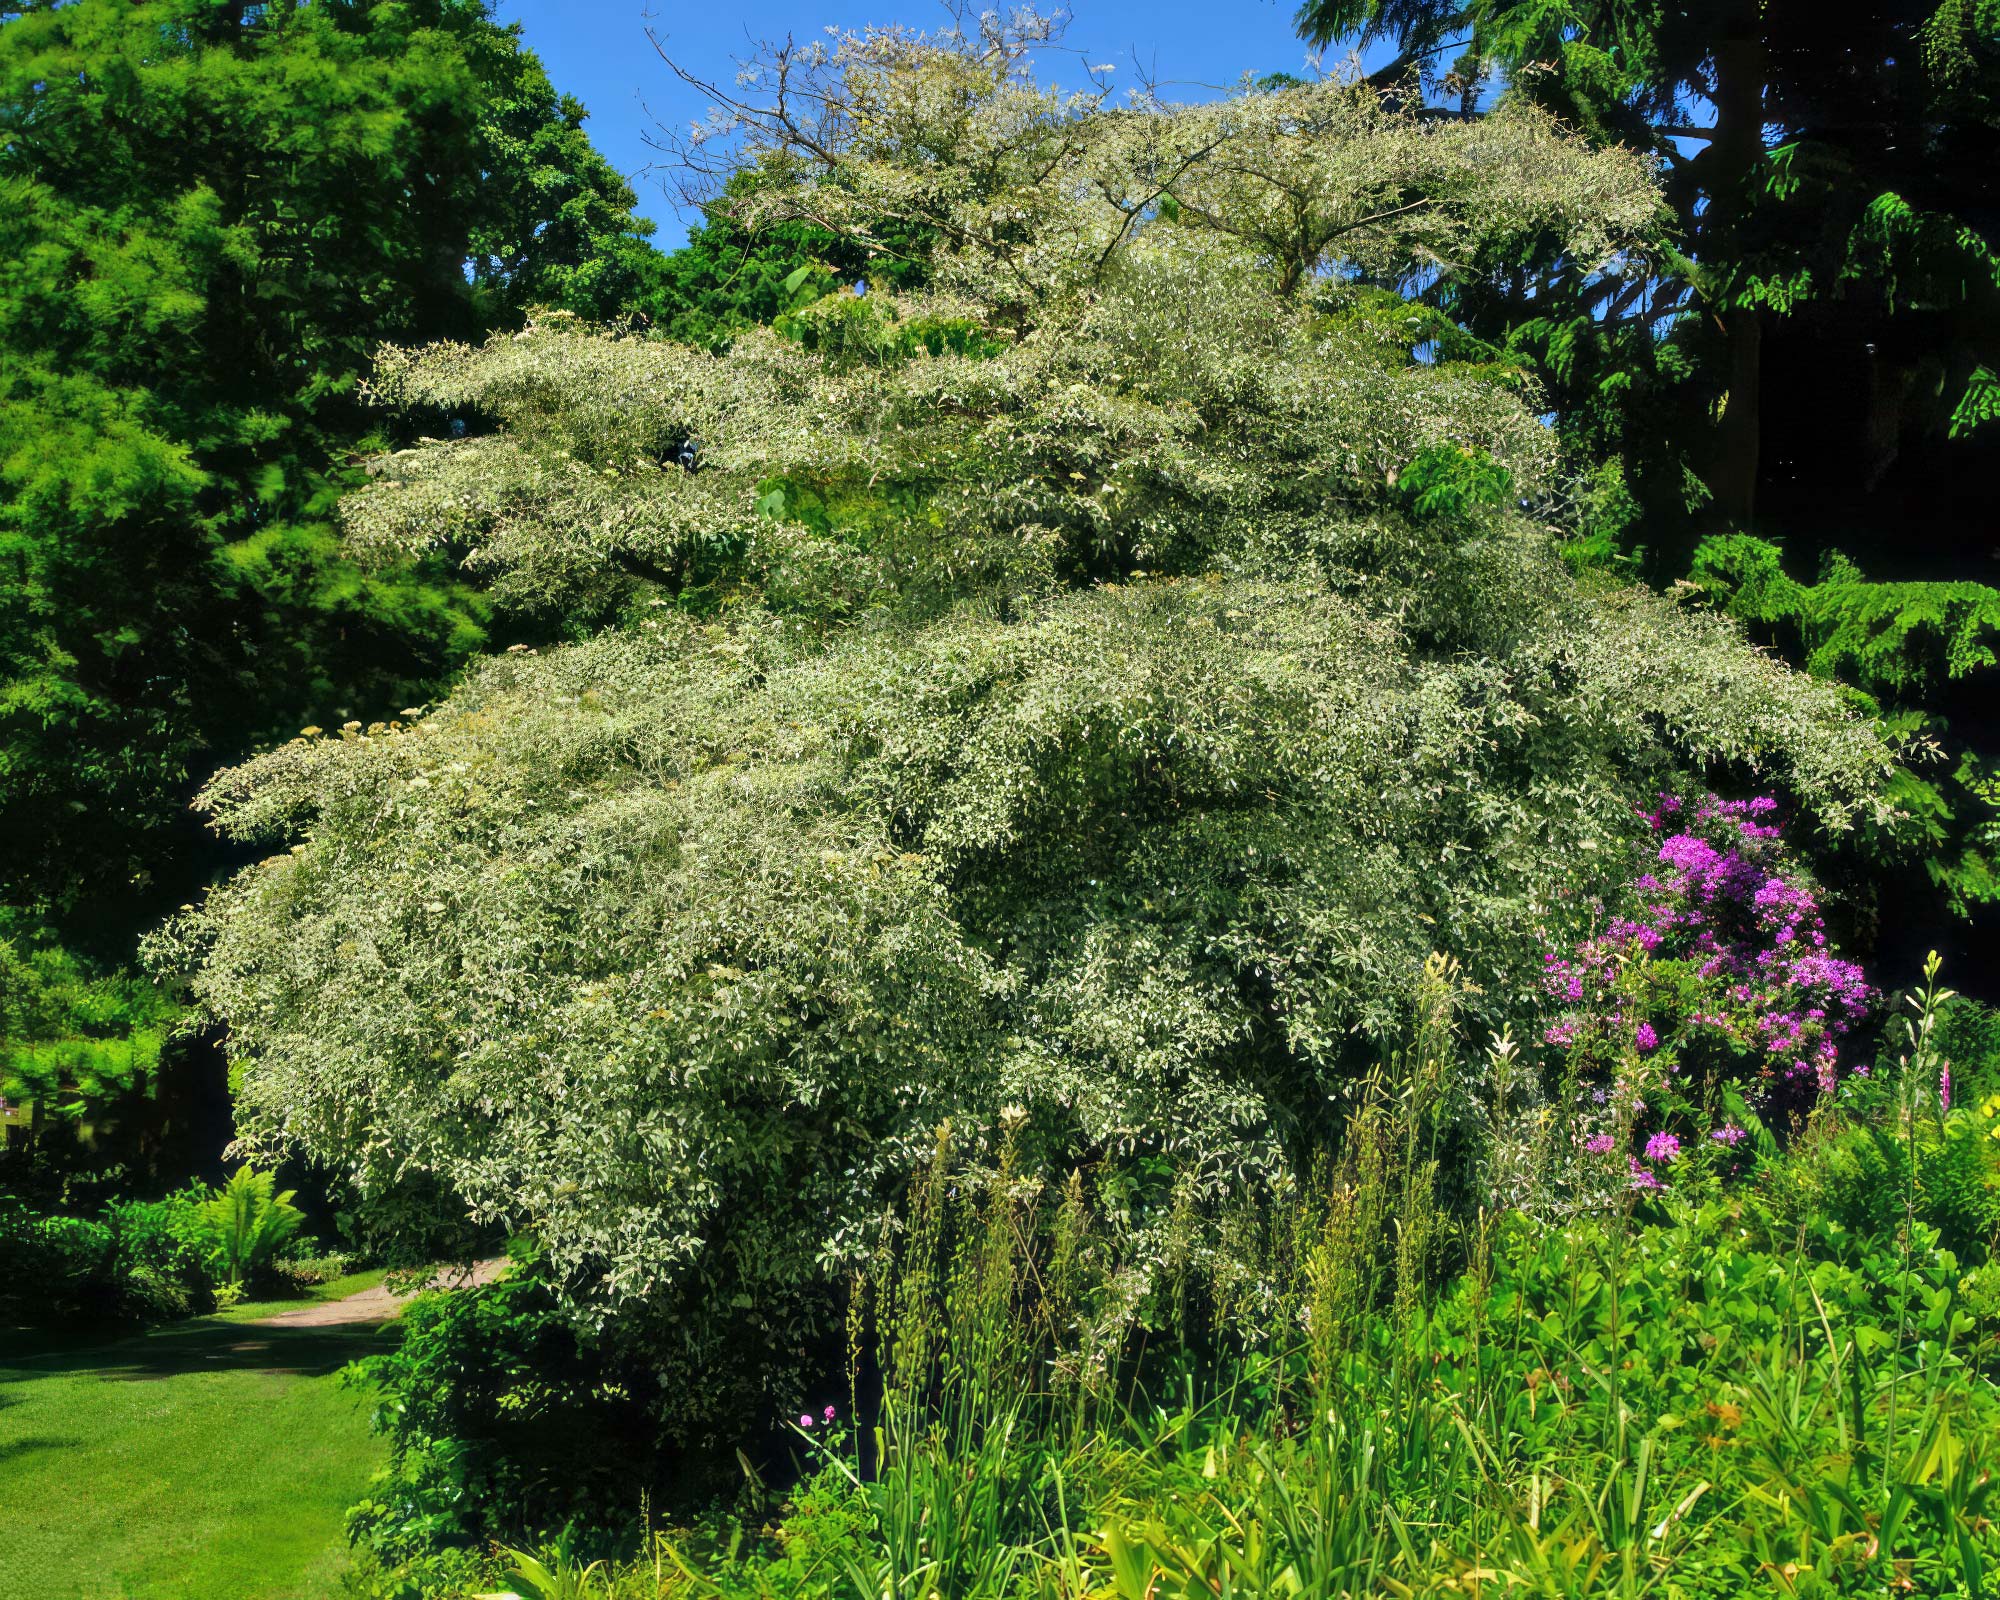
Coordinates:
[1092,685]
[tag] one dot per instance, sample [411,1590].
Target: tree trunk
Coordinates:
[1732,478]
[1733,156]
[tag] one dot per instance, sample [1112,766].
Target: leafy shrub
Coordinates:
[1708,1005]
[164,1252]
[502,1422]
[143,1261]
[1968,1036]
[1718,956]
[1860,1173]
[56,1267]
[1904,1145]
[311,1272]
[1124,762]
[166,1236]
[448,1574]
[1151,864]
[148,1296]
[147,1260]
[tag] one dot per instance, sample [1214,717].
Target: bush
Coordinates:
[1862,1170]
[55,1268]
[1113,739]
[503,1422]
[163,1235]
[136,1264]
[150,1260]
[1716,963]
[1910,1142]
[163,1253]
[148,1296]
[1968,1036]
[310,1272]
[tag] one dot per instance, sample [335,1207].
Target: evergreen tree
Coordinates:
[1799,401]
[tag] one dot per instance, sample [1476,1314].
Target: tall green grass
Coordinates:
[1361,1389]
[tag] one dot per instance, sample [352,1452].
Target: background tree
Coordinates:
[732,275]
[1799,402]
[210,216]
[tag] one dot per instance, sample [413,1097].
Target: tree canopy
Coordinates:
[1083,689]
[210,216]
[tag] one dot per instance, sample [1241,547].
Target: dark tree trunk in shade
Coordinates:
[1732,160]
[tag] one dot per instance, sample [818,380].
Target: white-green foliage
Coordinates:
[1115,745]
[888,134]
[1186,420]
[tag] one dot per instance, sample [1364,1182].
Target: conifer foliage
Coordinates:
[1794,405]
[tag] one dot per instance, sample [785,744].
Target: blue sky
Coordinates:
[597,50]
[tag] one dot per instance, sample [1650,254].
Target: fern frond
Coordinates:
[1979,404]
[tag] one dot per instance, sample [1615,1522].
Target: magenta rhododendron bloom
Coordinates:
[1713,961]
[1724,901]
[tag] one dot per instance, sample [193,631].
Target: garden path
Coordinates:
[379,1303]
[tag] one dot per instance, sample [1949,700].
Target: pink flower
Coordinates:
[806,1421]
[1601,1145]
[829,1413]
[1663,1147]
[1724,899]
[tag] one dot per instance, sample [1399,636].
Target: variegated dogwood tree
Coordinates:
[1092,686]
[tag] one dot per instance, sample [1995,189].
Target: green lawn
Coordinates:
[205,1461]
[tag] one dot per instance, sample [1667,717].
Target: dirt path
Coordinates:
[376,1304]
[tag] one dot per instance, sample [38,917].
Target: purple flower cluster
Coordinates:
[1725,902]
